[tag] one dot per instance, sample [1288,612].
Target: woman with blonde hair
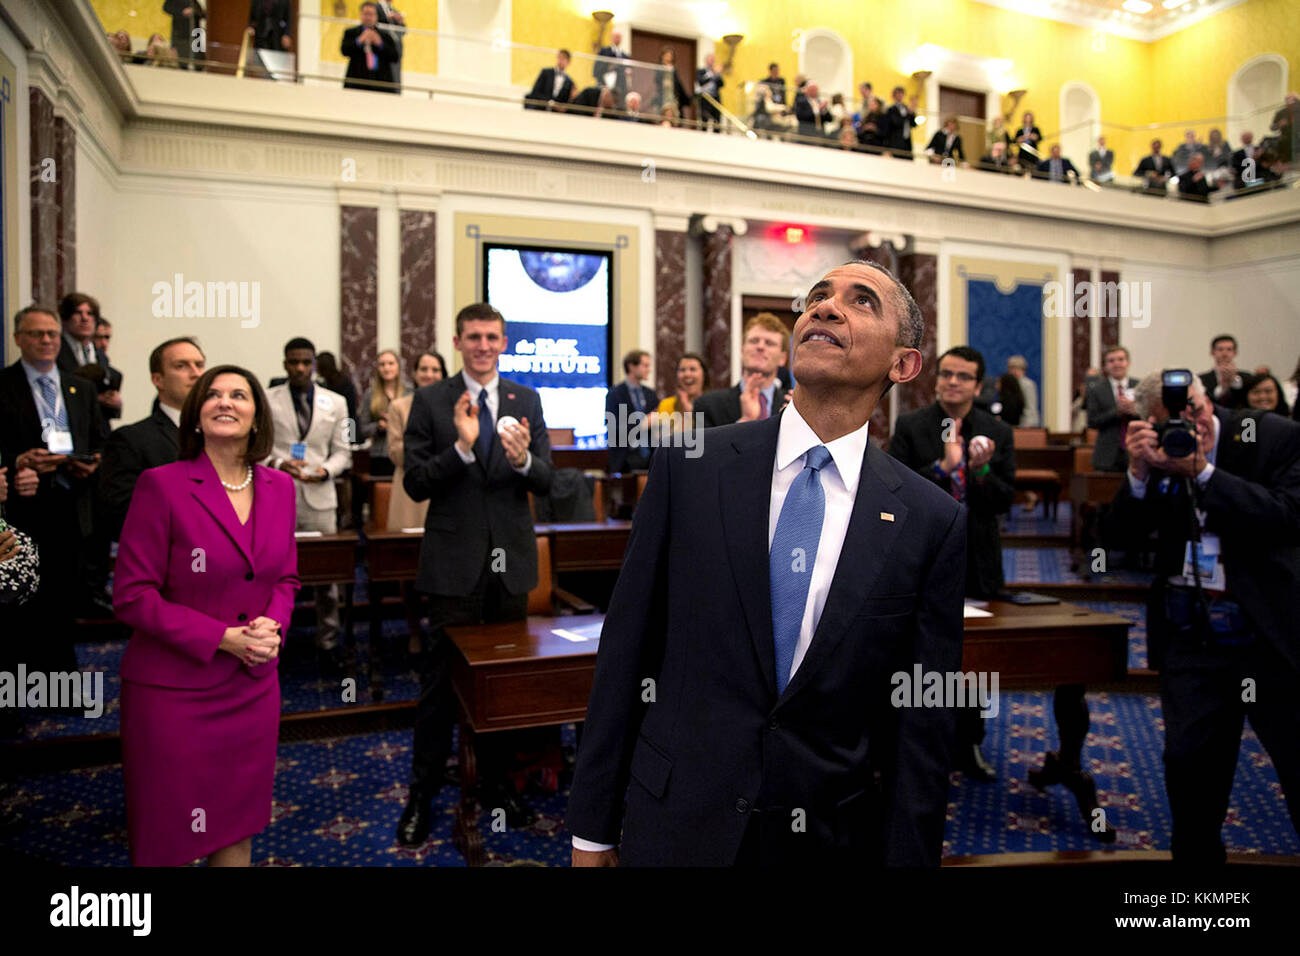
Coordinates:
[372,423]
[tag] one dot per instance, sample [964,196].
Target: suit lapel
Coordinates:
[30,417]
[744,499]
[262,480]
[867,542]
[207,490]
[79,428]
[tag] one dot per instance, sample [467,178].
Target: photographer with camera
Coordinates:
[1221,491]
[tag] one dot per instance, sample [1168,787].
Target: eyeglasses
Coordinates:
[41,333]
[959,376]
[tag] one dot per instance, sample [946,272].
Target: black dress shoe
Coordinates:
[335,661]
[413,827]
[976,768]
[518,815]
[1051,772]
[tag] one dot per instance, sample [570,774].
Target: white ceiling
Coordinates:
[1109,16]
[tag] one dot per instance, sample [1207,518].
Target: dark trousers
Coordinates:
[1201,696]
[435,713]
[709,114]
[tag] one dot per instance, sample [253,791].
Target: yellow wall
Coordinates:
[148,17]
[419,53]
[555,24]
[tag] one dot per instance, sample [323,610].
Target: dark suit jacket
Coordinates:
[898,127]
[692,611]
[918,442]
[270,27]
[1099,402]
[67,360]
[987,162]
[105,378]
[183,27]
[1161,165]
[607,60]
[544,89]
[1024,158]
[1189,188]
[20,431]
[1045,168]
[1233,398]
[722,405]
[939,143]
[386,55]
[129,451]
[473,508]
[622,458]
[1252,501]
[810,123]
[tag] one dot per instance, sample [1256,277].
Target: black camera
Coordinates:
[1177,434]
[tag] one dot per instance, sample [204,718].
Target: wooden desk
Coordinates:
[1044,645]
[588,545]
[330,559]
[511,676]
[584,459]
[392,555]
[1059,458]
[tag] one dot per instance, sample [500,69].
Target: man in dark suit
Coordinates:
[1221,611]
[49,421]
[1056,168]
[708,80]
[186,18]
[623,401]
[607,71]
[271,24]
[997,161]
[478,560]
[741,710]
[946,143]
[1108,402]
[759,394]
[900,118]
[775,82]
[174,367]
[969,454]
[1155,169]
[553,88]
[371,54]
[78,314]
[1246,166]
[107,379]
[812,112]
[1101,162]
[1193,183]
[1224,383]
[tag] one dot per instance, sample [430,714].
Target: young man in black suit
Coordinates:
[51,424]
[174,367]
[1221,632]
[1225,384]
[623,400]
[759,394]
[1108,402]
[478,560]
[1056,168]
[371,54]
[553,88]
[741,708]
[970,455]
[900,118]
[78,314]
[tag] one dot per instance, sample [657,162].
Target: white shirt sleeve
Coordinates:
[466,456]
[580,844]
[1204,475]
[1138,489]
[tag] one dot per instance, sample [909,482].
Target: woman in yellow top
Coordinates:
[692,380]
[402,511]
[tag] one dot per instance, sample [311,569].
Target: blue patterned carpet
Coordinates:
[337,801]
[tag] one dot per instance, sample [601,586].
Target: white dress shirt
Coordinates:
[173,413]
[85,353]
[493,404]
[839,481]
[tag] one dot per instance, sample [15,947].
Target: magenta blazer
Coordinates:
[184,573]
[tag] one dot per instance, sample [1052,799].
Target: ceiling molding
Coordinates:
[1149,27]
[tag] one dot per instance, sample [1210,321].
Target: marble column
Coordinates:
[1109,323]
[53,159]
[1080,350]
[717,304]
[919,272]
[358,292]
[670,307]
[419,285]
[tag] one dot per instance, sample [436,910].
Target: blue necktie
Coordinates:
[794,552]
[486,427]
[50,397]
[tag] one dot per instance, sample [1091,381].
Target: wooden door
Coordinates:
[646,47]
[969,108]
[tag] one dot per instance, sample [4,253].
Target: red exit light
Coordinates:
[793,234]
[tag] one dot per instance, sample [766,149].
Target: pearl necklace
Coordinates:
[242,485]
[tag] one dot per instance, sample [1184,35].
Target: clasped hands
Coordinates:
[298,469]
[257,643]
[515,439]
[978,454]
[35,462]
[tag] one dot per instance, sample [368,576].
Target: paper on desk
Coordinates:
[412,531]
[308,534]
[970,610]
[587,632]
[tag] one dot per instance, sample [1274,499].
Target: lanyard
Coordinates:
[47,413]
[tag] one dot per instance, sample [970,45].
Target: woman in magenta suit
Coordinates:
[207,569]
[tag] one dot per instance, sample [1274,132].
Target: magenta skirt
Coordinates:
[198,765]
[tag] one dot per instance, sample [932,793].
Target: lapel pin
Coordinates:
[510,395]
[72,390]
[886,516]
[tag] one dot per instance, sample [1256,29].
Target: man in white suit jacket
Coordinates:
[312,433]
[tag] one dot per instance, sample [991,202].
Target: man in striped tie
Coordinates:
[772,589]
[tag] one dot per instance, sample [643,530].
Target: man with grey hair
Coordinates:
[1221,610]
[1019,367]
[771,587]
